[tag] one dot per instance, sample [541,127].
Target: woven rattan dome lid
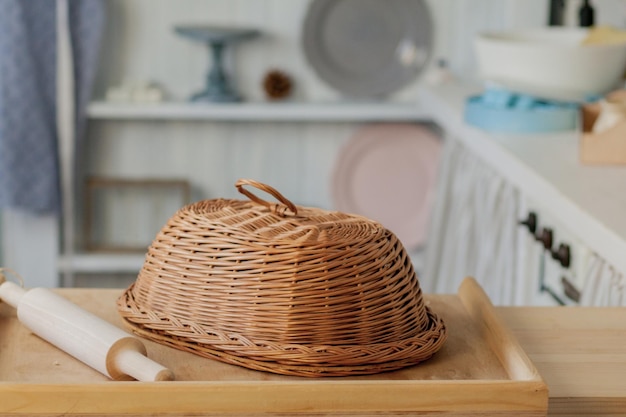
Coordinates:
[280,288]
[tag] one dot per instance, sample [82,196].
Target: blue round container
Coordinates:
[506,112]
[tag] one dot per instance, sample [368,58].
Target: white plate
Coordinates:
[387,172]
[367,48]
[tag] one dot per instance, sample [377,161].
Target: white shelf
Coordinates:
[112,263]
[259,111]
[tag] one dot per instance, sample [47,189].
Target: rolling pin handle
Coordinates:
[11,293]
[134,363]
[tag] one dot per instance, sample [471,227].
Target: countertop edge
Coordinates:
[445,106]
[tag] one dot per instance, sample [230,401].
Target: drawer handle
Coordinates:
[570,290]
[563,255]
[545,237]
[530,222]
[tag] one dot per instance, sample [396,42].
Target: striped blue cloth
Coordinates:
[29,167]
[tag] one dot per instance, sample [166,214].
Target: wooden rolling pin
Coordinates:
[99,344]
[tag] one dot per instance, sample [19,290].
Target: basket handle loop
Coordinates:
[279,209]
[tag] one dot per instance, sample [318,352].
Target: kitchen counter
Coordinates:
[579,351]
[589,200]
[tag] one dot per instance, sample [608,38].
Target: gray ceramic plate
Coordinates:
[367,48]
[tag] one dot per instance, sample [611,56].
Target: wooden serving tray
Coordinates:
[480,371]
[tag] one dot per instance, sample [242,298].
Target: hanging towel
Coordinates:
[29,165]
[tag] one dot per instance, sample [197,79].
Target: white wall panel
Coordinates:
[297,158]
[140,44]
[30,247]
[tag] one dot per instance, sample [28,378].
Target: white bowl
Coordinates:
[550,63]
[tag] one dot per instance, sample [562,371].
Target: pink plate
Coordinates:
[387,172]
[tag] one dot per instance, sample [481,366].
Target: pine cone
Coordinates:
[277,85]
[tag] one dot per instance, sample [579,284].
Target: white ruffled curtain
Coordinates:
[604,286]
[474,231]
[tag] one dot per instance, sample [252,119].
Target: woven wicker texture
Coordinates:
[284,289]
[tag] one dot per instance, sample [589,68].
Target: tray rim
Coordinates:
[524,393]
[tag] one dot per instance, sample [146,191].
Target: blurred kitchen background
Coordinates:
[144,150]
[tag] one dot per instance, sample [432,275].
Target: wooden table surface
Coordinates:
[580,352]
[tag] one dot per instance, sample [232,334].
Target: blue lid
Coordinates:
[498,110]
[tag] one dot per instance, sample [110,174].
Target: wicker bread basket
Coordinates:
[285,289]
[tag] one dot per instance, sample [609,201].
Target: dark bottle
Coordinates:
[555,12]
[586,14]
